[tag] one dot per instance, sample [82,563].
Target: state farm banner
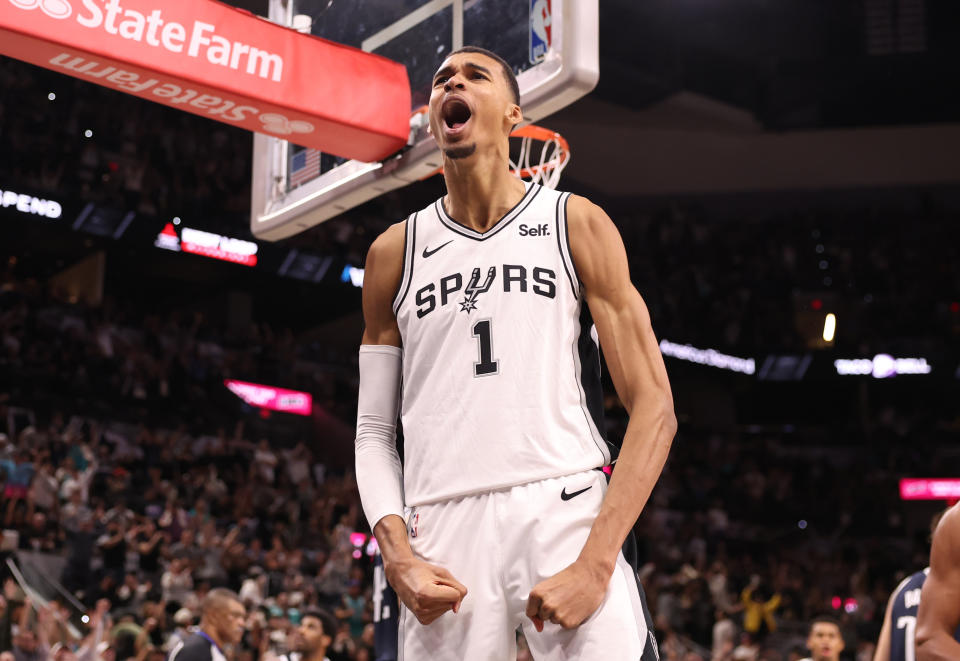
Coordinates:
[220,62]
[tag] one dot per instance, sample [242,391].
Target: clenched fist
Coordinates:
[427,590]
[567,598]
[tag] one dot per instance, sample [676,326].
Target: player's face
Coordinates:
[471,104]
[825,642]
[311,635]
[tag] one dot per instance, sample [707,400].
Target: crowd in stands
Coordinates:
[731,279]
[138,156]
[748,535]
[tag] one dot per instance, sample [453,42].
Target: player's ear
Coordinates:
[513,114]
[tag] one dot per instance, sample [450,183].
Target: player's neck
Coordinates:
[480,190]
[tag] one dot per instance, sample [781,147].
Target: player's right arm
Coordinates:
[939,613]
[427,590]
[882,653]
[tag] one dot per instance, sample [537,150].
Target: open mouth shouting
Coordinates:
[456,114]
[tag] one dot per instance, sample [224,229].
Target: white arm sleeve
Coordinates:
[379,474]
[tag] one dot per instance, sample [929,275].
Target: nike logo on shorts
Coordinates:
[567,496]
[427,252]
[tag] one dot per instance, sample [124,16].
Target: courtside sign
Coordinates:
[213,60]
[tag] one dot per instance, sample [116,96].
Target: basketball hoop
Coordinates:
[543,155]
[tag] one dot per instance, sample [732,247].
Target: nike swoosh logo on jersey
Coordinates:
[567,496]
[427,252]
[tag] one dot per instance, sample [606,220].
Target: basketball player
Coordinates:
[938,618]
[483,302]
[312,637]
[222,619]
[825,640]
[897,640]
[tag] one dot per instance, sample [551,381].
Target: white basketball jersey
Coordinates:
[501,377]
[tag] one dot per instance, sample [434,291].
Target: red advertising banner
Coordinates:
[220,62]
[930,489]
[268,397]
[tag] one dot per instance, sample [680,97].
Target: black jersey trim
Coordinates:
[561,230]
[591,379]
[585,400]
[403,268]
[410,250]
[498,226]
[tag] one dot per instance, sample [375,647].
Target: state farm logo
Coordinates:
[198,40]
[52,8]
[177,95]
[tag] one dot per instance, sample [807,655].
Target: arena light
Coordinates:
[881,366]
[709,357]
[29,204]
[829,327]
[269,397]
[930,488]
[353,275]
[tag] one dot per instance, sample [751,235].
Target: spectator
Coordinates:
[177,582]
[758,613]
[312,637]
[353,608]
[724,635]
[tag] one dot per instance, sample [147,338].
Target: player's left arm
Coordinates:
[633,358]
[939,614]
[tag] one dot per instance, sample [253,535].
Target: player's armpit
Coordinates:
[939,613]
[381,279]
[633,358]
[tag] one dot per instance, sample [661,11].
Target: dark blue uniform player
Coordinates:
[385,613]
[898,636]
[898,639]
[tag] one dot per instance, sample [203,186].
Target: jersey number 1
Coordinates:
[909,624]
[482,330]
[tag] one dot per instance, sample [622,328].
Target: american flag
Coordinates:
[304,166]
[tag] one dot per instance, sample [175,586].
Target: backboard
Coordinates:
[551,45]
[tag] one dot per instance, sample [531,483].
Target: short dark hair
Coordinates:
[326,619]
[216,599]
[824,619]
[508,74]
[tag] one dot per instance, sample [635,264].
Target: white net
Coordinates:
[542,157]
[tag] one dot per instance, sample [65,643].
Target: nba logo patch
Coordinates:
[541,31]
[415,525]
